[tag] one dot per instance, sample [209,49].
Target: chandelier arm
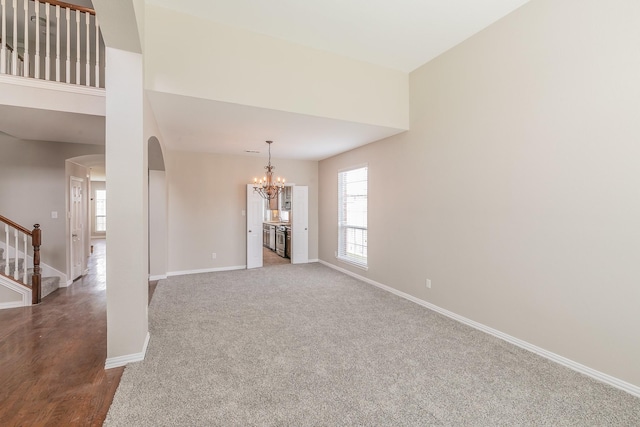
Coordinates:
[268,189]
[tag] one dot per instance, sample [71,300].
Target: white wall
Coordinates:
[157,224]
[7,296]
[203,59]
[516,189]
[207,194]
[33,184]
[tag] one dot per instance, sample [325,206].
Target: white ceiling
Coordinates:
[45,125]
[194,124]
[399,34]
[402,35]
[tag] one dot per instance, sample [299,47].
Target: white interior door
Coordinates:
[255,204]
[77,229]
[300,224]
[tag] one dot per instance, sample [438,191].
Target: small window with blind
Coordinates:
[101,210]
[352,216]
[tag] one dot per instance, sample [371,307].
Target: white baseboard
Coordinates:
[206,270]
[115,362]
[600,376]
[314,260]
[158,277]
[12,304]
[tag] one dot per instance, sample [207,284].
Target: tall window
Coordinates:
[352,216]
[101,210]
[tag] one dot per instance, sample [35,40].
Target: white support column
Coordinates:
[127,210]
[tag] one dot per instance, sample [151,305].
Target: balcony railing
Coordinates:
[51,40]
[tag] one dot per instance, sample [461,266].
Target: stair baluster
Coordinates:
[24,258]
[6,239]
[10,254]
[3,37]
[16,267]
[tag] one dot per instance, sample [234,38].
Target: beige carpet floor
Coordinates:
[304,345]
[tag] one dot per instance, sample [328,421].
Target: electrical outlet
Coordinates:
[213,255]
[428,283]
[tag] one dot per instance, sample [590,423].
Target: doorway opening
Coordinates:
[277,230]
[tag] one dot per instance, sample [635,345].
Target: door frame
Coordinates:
[249,211]
[83,218]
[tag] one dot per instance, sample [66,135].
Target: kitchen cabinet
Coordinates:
[269,236]
[265,235]
[288,245]
[285,199]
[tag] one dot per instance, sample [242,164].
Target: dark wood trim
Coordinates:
[69,5]
[36,287]
[15,225]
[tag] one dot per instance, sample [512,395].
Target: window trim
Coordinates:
[95,214]
[342,228]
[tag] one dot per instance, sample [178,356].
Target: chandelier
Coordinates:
[267,187]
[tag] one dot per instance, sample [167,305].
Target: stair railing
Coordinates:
[18,63]
[48,28]
[16,249]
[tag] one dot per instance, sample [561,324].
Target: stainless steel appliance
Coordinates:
[281,240]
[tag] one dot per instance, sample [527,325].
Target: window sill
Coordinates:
[352,263]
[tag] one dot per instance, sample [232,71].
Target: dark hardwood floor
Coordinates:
[52,356]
